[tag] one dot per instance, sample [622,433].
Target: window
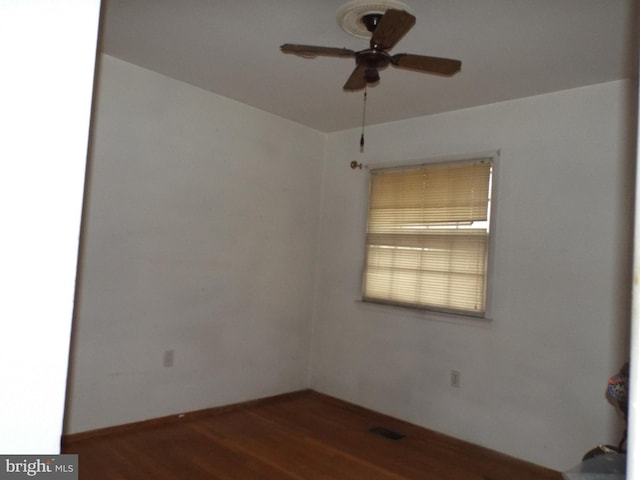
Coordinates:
[427,236]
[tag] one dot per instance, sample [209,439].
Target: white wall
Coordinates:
[533,379]
[48,54]
[199,236]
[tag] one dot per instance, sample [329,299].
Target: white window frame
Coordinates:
[445,313]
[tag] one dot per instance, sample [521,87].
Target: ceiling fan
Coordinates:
[386,30]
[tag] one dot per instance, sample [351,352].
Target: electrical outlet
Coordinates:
[168,358]
[455,378]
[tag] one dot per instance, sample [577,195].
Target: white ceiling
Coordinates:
[508,48]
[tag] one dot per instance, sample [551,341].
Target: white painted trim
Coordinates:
[633,427]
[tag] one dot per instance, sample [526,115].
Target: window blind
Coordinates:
[427,236]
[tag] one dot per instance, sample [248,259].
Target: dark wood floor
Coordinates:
[300,436]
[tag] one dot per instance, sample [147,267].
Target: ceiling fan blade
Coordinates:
[393,25]
[356,80]
[311,51]
[437,65]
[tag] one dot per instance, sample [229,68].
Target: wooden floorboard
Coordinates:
[303,436]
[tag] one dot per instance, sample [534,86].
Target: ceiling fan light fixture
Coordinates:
[371,75]
[350,15]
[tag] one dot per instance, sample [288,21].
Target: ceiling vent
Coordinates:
[386,433]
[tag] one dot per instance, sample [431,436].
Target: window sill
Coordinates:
[433,315]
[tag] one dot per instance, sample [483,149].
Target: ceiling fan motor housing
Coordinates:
[372,58]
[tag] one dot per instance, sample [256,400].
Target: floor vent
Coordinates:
[386,433]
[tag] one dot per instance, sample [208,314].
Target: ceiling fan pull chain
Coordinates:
[364,110]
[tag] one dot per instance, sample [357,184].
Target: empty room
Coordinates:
[424,272]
